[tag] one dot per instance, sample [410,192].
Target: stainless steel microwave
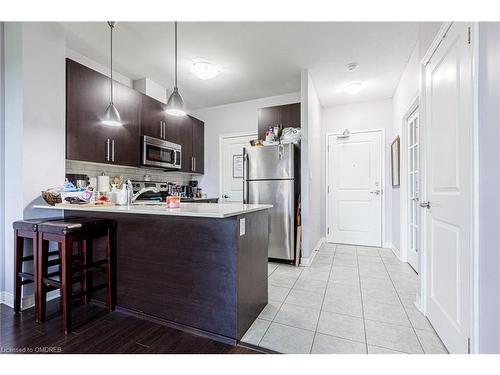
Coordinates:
[160,154]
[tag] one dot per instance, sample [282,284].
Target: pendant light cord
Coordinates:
[175,49]
[111,67]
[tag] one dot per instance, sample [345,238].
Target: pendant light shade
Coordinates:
[111,116]
[175,104]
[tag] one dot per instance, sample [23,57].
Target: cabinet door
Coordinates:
[180,131]
[152,117]
[87,97]
[290,115]
[267,117]
[198,145]
[127,143]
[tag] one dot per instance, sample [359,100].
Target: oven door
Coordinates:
[160,154]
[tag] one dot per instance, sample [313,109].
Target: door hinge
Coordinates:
[468,345]
[328,230]
[328,148]
[328,189]
[469,35]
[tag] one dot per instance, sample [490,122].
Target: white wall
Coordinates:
[226,119]
[489,187]
[311,173]
[34,122]
[2,159]
[405,95]
[360,116]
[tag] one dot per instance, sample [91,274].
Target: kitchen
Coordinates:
[176,184]
[117,135]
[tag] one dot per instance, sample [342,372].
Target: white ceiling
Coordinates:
[258,59]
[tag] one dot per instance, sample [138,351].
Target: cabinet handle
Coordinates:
[194,159]
[113,150]
[106,158]
[161,129]
[164,130]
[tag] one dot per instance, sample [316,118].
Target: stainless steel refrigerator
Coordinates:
[271,176]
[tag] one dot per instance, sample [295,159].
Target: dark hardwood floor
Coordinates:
[99,332]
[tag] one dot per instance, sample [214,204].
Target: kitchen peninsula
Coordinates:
[201,267]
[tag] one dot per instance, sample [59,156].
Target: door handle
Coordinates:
[376,192]
[225,196]
[106,158]
[425,204]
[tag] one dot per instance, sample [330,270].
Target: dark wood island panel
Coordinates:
[196,272]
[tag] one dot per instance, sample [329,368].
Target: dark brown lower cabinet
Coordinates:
[195,272]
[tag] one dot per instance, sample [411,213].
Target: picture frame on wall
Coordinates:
[395,161]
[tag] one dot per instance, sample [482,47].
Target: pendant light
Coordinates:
[111,116]
[175,104]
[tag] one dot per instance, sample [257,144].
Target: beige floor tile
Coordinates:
[339,325]
[298,316]
[324,344]
[392,337]
[285,339]
[256,332]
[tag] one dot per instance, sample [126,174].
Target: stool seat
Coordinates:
[30,224]
[67,226]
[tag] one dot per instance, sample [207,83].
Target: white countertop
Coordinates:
[210,210]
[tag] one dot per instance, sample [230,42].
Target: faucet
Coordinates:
[142,191]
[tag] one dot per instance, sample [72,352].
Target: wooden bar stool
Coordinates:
[24,229]
[74,269]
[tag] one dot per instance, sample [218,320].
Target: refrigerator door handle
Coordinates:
[245,176]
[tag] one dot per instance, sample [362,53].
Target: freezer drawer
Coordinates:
[269,162]
[279,193]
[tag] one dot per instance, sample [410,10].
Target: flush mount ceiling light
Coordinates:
[111,116]
[353,88]
[175,104]
[204,70]
[352,67]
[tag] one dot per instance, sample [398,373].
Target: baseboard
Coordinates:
[396,252]
[7,298]
[308,261]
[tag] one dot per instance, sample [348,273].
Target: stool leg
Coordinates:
[43,250]
[88,250]
[66,282]
[113,266]
[18,265]
[35,276]
[109,272]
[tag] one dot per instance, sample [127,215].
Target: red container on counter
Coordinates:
[173,202]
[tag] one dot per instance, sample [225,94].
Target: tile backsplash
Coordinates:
[95,169]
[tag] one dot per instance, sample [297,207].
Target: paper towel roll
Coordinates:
[102,183]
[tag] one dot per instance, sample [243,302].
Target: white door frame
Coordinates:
[474,264]
[221,139]
[403,198]
[382,183]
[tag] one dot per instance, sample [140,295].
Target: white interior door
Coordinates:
[448,188]
[231,152]
[413,179]
[355,189]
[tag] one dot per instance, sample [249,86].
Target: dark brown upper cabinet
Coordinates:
[180,131]
[198,149]
[87,139]
[153,118]
[287,115]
